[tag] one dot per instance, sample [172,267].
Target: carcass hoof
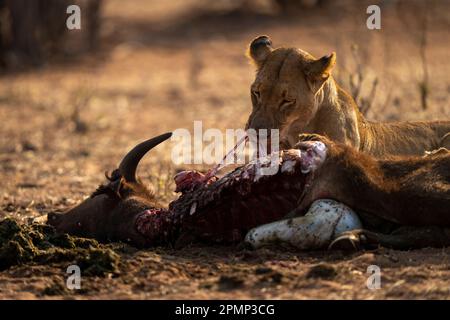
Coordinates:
[354,240]
[346,242]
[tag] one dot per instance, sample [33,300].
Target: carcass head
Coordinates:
[108,213]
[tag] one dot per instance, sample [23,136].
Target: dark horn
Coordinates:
[131,160]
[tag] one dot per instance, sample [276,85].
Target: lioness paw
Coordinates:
[437,152]
[313,155]
[312,137]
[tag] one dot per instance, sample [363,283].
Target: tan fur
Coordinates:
[295,93]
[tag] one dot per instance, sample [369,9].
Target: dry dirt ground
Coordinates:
[161,67]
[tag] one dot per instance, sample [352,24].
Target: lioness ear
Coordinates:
[259,49]
[318,71]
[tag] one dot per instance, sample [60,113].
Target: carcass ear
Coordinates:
[318,71]
[259,50]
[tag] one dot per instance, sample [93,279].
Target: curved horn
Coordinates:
[128,166]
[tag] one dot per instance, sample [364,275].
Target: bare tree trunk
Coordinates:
[35,29]
[424,85]
[24,19]
[2,40]
[93,23]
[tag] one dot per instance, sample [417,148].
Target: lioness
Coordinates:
[295,93]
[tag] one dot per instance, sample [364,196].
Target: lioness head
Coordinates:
[288,86]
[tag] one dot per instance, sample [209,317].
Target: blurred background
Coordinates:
[72,102]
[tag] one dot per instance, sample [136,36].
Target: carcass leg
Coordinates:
[404,238]
[325,220]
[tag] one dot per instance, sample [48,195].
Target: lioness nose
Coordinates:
[261,127]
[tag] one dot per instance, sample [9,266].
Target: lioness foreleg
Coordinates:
[445,142]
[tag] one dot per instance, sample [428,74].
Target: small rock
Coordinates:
[230,282]
[27,146]
[54,289]
[277,277]
[263,270]
[322,271]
